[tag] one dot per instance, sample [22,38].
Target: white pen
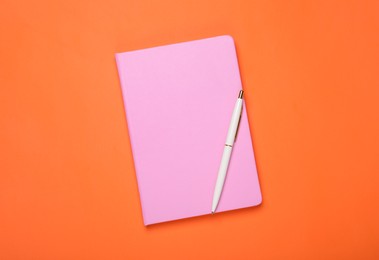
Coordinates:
[230,139]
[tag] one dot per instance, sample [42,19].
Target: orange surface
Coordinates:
[67,184]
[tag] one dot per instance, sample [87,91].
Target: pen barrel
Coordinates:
[234,122]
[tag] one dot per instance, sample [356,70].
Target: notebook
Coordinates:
[178,101]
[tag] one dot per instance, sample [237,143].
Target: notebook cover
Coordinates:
[178,100]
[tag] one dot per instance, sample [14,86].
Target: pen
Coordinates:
[230,139]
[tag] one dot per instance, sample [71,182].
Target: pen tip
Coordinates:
[213,212]
[240,95]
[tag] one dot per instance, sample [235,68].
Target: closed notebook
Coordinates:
[178,101]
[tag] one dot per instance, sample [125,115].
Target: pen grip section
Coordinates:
[221,175]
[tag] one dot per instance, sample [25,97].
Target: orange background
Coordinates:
[67,184]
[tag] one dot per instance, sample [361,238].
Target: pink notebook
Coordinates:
[178,100]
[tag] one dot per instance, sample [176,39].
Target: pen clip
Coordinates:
[238,127]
